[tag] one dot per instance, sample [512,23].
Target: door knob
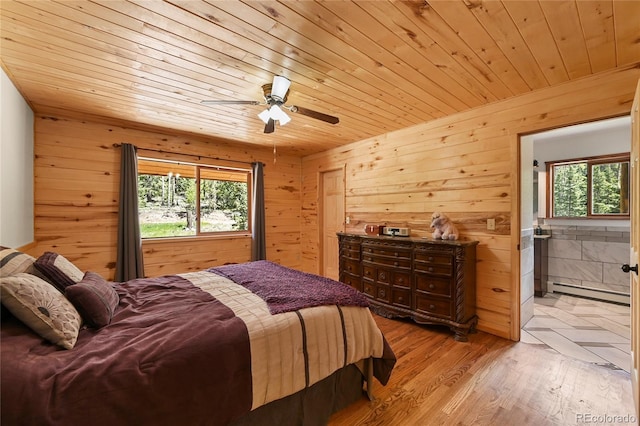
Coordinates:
[626,268]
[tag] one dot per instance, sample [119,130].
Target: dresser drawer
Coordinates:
[433,306]
[369,288]
[351,254]
[351,266]
[388,261]
[352,280]
[401,279]
[432,285]
[383,293]
[440,255]
[350,245]
[434,268]
[381,274]
[369,271]
[379,292]
[394,250]
[401,297]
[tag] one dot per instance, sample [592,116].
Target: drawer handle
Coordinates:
[430,269]
[382,293]
[401,281]
[400,299]
[395,263]
[431,286]
[432,307]
[396,254]
[430,258]
[383,276]
[367,273]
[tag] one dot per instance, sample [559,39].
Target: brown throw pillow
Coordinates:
[42,308]
[95,299]
[58,270]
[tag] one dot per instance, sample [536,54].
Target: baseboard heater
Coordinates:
[592,293]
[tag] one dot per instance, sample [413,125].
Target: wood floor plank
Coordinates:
[486,381]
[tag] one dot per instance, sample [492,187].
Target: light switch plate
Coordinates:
[491,224]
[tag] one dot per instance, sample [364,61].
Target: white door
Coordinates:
[332,221]
[635,246]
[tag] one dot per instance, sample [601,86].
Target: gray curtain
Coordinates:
[129,263]
[258,241]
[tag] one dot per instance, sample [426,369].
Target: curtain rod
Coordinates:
[199,157]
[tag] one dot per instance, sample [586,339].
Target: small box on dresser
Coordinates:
[430,281]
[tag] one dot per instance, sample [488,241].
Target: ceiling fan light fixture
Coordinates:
[280,87]
[278,114]
[274,112]
[265,116]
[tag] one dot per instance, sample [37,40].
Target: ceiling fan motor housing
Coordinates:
[273,99]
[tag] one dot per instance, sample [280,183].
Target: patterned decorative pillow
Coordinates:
[13,262]
[42,308]
[94,298]
[60,272]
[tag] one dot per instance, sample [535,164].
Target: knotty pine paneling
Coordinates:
[77,166]
[465,165]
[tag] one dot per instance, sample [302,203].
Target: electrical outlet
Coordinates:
[491,224]
[347,220]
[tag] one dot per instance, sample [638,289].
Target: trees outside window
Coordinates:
[178,199]
[590,187]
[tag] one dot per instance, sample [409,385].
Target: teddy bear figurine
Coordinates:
[444,228]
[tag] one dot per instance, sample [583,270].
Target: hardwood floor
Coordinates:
[487,381]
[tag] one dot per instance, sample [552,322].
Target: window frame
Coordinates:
[590,162]
[198,166]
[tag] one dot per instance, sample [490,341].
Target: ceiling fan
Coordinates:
[275,97]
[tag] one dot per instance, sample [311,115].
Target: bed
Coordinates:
[253,343]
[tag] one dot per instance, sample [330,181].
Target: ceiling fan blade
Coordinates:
[214,102]
[270,126]
[315,114]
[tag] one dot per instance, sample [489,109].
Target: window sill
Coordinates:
[588,222]
[220,236]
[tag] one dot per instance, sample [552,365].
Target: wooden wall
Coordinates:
[465,165]
[77,190]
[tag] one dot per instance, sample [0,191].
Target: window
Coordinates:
[181,199]
[590,187]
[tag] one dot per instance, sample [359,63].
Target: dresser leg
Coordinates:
[460,334]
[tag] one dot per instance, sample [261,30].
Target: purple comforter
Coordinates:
[287,290]
[173,355]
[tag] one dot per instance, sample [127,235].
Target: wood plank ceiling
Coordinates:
[377,65]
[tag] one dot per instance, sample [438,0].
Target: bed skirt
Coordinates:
[312,406]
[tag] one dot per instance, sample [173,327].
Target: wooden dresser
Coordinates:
[430,281]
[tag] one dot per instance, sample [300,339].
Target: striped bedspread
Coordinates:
[293,350]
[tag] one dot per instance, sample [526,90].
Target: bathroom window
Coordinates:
[596,187]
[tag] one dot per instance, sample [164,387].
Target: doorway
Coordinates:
[332,213]
[570,314]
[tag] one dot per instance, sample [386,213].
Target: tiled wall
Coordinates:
[526,275]
[589,256]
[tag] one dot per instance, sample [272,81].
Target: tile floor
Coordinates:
[590,330]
